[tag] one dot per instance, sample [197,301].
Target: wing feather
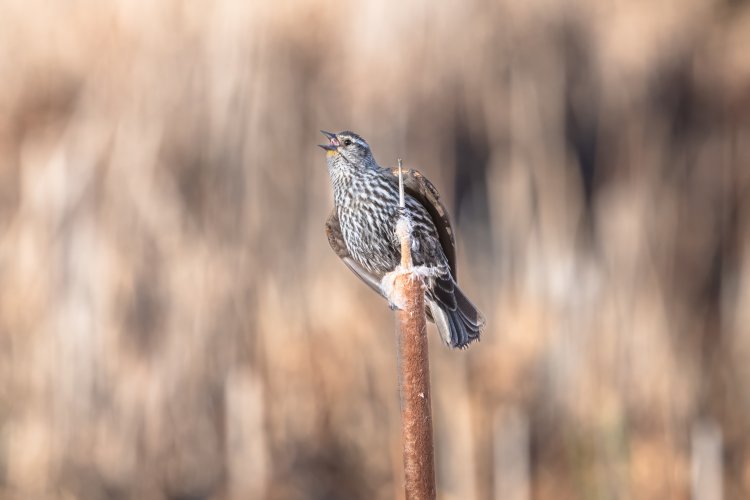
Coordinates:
[421,189]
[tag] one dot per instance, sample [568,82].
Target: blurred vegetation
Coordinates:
[174,326]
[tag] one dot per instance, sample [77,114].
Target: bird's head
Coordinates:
[349,148]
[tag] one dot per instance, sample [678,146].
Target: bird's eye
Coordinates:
[347,142]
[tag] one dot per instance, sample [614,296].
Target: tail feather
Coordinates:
[457,319]
[468,311]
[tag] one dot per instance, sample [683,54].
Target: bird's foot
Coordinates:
[394,294]
[396,300]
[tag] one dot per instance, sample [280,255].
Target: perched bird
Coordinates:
[361,230]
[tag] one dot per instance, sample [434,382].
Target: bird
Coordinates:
[361,231]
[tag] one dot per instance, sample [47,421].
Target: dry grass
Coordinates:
[174,325]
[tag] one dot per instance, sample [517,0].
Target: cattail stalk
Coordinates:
[414,371]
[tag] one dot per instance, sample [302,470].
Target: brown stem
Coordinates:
[414,380]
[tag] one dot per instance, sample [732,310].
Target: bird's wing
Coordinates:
[424,192]
[336,240]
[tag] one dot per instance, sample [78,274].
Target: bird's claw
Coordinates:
[388,287]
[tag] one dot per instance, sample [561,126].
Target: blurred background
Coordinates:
[173,324]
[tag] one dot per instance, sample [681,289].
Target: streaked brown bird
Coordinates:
[361,230]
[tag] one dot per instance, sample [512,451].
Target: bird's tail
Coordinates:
[457,319]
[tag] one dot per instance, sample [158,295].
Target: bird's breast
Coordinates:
[368,218]
[368,209]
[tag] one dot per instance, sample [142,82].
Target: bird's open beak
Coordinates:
[333,145]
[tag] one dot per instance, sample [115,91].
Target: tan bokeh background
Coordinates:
[173,324]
